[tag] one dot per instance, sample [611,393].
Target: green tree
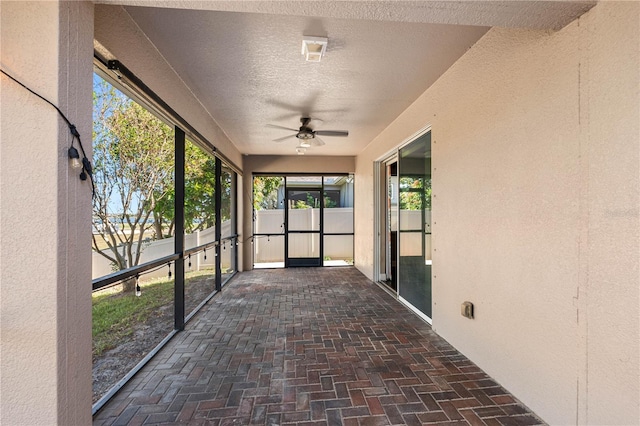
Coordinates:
[265,192]
[133,159]
[301,205]
[134,167]
[329,203]
[412,191]
[199,207]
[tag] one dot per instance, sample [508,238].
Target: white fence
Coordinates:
[266,250]
[411,242]
[336,247]
[165,247]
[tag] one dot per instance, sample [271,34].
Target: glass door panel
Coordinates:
[414,223]
[392,224]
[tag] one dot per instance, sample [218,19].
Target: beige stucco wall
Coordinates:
[536,216]
[45,302]
[286,165]
[116,32]
[297,164]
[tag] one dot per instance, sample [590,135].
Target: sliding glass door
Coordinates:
[414,224]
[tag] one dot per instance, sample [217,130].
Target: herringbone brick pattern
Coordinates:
[321,346]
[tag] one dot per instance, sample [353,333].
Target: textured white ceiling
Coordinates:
[247,70]
[242,61]
[537,14]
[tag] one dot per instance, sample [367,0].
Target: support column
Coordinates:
[45,219]
[179,230]
[218,247]
[247,218]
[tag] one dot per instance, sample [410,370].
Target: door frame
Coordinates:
[320,186]
[303,261]
[383,272]
[381,215]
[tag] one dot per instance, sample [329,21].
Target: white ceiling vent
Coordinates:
[313,48]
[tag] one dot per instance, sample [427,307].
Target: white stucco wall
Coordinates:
[45,215]
[536,211]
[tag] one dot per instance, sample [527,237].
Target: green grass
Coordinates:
[114,315]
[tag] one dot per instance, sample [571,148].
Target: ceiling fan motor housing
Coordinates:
[305,133]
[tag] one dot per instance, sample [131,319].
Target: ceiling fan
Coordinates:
[307,135]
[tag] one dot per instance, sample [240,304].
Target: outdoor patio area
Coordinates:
[321,346]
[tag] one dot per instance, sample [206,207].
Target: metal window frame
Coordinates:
[123,79]
[285,232]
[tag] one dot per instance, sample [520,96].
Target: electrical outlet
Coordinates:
[467,310]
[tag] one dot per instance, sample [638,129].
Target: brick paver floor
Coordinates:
[319,346]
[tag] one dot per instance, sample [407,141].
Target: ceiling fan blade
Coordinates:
[273,126]
[317,141]
[332,132]
[284,138]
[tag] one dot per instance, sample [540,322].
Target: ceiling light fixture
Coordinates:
[301,150]
[305,144]
[313,48]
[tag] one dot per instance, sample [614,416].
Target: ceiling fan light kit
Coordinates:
[306,135]
[313,48]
